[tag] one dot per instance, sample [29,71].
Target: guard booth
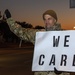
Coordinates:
[72,3]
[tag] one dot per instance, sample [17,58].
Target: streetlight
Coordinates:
[74,27]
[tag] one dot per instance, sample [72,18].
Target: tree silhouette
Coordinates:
[24,24]
[7,34]
[39,27]
[0,14]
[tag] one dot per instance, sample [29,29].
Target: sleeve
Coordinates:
[23,33]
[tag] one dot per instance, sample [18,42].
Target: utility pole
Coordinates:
[20,44]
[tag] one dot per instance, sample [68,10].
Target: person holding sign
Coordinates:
[50,20]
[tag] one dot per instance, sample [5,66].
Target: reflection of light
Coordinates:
[74,27]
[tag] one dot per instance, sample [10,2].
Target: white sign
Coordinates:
[54,49]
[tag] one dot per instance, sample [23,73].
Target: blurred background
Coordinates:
[16,55]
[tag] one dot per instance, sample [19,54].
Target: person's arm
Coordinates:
[23,33]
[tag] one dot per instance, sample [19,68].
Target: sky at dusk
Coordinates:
[31,11]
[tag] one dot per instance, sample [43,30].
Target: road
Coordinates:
[16,61]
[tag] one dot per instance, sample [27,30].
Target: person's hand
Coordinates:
[56,71]
[7,14]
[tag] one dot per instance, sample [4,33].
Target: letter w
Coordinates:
[55,41]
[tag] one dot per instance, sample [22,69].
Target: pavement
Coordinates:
[16,61]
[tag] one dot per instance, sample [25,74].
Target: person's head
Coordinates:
[50,18]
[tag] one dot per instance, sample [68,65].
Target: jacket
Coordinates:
[29,35]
